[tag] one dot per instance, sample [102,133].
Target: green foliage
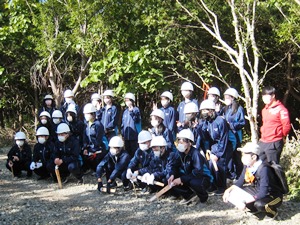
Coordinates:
[290,159]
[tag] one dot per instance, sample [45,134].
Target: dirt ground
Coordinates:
[28,201]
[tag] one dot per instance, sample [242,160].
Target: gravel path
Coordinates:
[28,201]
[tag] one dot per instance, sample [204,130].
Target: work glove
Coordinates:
[100,185]
[150,179]
[39,165]
[145,177]
[32,166]
[92,156]
[129,174]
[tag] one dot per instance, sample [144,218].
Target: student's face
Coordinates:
[267,99]
[248,159]
[186,94]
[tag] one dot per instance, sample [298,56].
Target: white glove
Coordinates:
[32,166]
[150,179]
[129,174]
[145,177]
[38,165]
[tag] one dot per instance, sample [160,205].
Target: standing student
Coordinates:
[234,115]
[109,117]
[214,95]
[187,92]
[45,121]
[48,105]
[276,126]
[19,156]
[69,99]
[166,99]
[96,101]
[131,124]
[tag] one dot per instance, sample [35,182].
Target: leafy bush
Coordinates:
[290,160]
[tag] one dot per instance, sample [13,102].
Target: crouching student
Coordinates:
[114,164]
[160,166]
[142,157]
[66,155]
[258,180]
[42,153]
[19,156]
[191,176]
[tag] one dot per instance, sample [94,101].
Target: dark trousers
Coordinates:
[18,167]
[235,165]
[195,185]
[91,163]
[220,175]
[108,172]
[131,146]
[271,151]
[42,171]
[268,204]
[65,169]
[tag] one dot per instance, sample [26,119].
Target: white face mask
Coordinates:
[41,140]
[267,99]
[106,101]
[154,123]
[228,101]
[156,153]
[143,147]
[43,121]
[88,117]
[95,103]
[48,102]
[128,103]
[56,121]
[246,160]
[113,151]
[186,94]
[20,143]
[62,138]
[68,100]
[70,118]
[164,102]
[212,98]
[181,147]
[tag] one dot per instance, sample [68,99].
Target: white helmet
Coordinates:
[48,97]
[71,108]
[116,141]
[68,93]
[158,141]
[187,86]
[57,114]
[42,131]
[108,93]
[232,92]
[214,91]
[159,113]
[63,128]
[45,113]
[96,96]
[144,136]
[167,94]
[89,108]
[20,136]
[190,107]
[186,133]
[207,104]
[130,96]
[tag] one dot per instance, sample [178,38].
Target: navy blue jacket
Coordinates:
[180,114]
[117,166]
[43,152]
[140,159]
[25,156]
[203,140]
[190,166]
[160,167]
[168,136]
[265,182]
[64,108]
[93,137]
[109,119]
[68,150]
[77,129]
[170,118]
[131,121]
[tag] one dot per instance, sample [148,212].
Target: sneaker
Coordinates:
[270,218]
[29,174]
[219,192]
[87,172]
[64,180]
[80,181]
[211,190]
[187,201]
[128,187]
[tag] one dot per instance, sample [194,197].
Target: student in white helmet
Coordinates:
[214,95]
[131,124]
[235,117]
[187,92]
[46,121]
[57,118]
[19,156]
[48,105]
[69,99]
[109,115]
[166,99]
[158,128]
[42,153]
[114,164]
[96,101]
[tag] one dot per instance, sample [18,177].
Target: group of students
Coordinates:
[206,154]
